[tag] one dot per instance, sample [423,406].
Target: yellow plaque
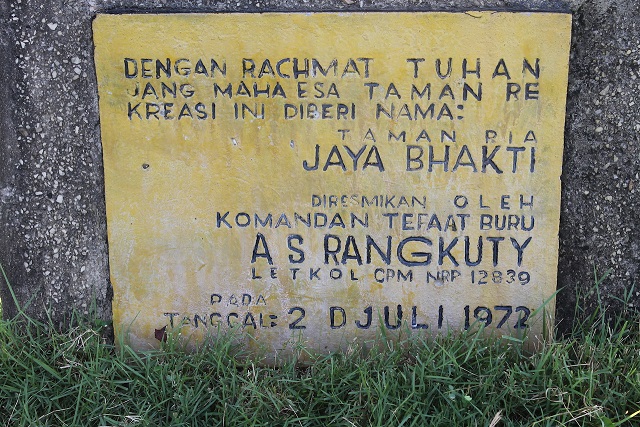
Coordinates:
[315,178]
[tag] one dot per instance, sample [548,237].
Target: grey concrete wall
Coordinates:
[600,218]
[52,217]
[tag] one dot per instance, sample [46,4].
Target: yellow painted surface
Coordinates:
[211,125]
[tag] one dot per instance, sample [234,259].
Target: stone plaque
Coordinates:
[320,177]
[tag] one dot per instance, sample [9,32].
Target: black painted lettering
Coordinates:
[130,68]
[369,312]
[415,62]
[414,320]
[398,317]
[416,255]
[332,316]
[290,244]
[248,67]
[261,250]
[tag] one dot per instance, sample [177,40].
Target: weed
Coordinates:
[78,378]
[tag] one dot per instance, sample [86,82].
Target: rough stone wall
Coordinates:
[600,217]
[52,213]
[53,216]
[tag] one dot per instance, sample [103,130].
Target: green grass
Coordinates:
[592,377]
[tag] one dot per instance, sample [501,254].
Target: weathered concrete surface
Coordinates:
[52,220]
[601,200]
